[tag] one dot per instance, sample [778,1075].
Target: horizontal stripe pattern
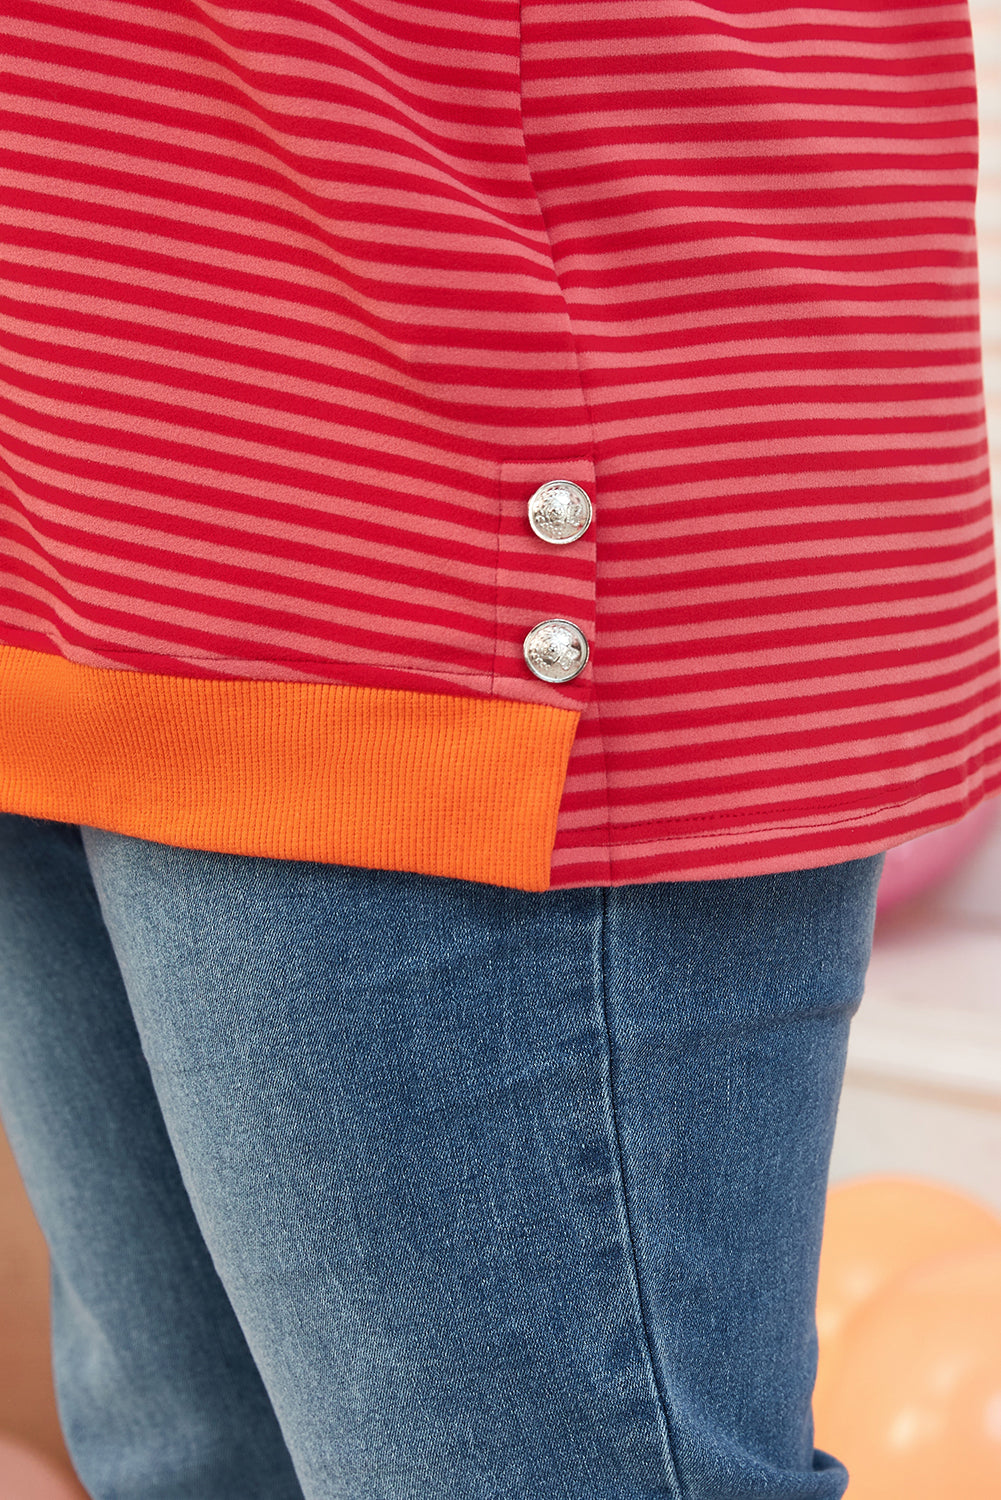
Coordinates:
[300,301]
[768,258]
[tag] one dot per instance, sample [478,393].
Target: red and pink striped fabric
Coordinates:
[300,302]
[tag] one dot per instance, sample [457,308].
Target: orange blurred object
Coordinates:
[27,1400]
[915,1410]
[875,1229]
[26,1475]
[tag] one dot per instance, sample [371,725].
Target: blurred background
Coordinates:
[923,1087]
[921,1109]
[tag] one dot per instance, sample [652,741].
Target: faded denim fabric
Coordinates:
[363,1185]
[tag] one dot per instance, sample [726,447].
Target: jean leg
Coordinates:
[387,1097]
[158,1395]
[728,1005]
[401,1107]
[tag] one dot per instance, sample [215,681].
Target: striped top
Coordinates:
[303,299]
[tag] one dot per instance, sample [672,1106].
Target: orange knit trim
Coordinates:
[373,777]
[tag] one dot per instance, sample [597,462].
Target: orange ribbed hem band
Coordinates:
[372,777]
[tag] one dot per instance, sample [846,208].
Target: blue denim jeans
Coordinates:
[380,1186]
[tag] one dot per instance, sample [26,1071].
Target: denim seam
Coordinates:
[668,1440]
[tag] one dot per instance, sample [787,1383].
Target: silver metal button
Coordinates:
[559,511]
[556,651]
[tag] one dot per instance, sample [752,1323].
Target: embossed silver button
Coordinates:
[559,511]
[556,651]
